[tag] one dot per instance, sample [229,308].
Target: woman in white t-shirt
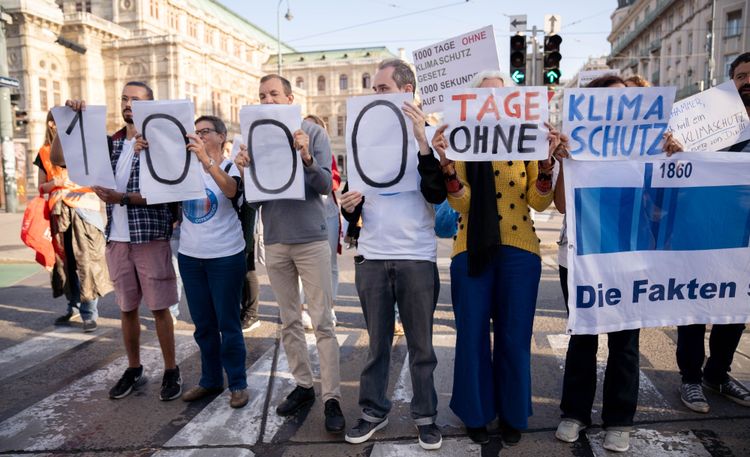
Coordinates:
[212,265]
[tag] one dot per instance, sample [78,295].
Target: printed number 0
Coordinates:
[253,171]
[150,164]
[404,145]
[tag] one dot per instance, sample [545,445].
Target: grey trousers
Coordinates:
[413,285]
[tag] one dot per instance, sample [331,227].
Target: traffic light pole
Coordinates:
[6,132]
[534,54]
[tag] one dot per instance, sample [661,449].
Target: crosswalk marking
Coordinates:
[51,421]
[209,452]
[219,424]
[648,395]
[450,447]
[654,444]
[40,349]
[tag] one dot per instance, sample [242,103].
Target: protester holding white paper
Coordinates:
[80,271]
[495,271]
[296,244]
[138,252]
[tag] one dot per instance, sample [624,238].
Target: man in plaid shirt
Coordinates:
[138,253]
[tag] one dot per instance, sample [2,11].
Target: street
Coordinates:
[55,380]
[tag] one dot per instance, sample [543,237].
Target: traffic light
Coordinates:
[20,117]
[552,57]
[518,59]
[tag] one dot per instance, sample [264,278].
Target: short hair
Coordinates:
[284,82]
[490,74]
[149,92]
[742,58]
[316,120]
[606,81]
[218,124]
[638,80]
[402,73]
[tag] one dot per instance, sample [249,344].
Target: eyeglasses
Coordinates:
[204,132]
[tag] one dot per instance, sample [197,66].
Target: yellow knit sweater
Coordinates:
[515,191]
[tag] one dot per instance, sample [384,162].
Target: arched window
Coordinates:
[321,83]
[366,81]
[300,82]
[343,82]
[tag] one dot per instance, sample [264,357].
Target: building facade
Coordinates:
[674,42]
[329,78]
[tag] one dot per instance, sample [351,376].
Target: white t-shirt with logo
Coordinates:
[210,227]
[119,229]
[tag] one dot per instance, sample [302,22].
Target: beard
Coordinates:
[128,118]
[744,92]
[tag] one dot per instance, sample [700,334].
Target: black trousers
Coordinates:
[620,377]
[691,352]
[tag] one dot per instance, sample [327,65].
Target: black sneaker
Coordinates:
[133,378]
[89,325]
[65,319]
[478,435]
[510,435]
[732,389]
[171,384]
[430,437]
[250,323]
[296,400]
[335,421]
[363,430]
[692,396]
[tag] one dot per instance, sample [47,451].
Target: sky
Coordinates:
[329,24]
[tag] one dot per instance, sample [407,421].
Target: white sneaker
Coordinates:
[569,430]
[306,320]
[333,317]
[617,440]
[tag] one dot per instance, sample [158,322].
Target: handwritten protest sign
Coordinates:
[275,170]
[711,120]
[169,172]
[488,124]
[586,76]
[83,139]
[616,124]
[658,241]
[380,146]
[453,63]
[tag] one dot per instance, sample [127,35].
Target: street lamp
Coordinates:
[288,16]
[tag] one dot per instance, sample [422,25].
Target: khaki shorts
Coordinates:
[142,272]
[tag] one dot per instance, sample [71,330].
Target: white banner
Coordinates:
[83,137]
[616,124]
[381,152]
[496,124]
[711,120]
[658,241]
[275,170]
[169,172]
[453,63]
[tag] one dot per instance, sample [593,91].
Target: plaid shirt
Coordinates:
[146,223]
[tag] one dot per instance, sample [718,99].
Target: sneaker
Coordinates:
[171,384]
[617,440]
[296,400]
[692,396]
[306,320]
[335,422]
[478,435]
[569,430]
[363,430]
[89,325]
[198,392]
[333,317]
[67,318]
[430,437]
[239,398]
[133,378]
[250,324]
[510,436]
[398,329]
[732,389]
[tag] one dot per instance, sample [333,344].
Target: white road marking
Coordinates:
[39,349]
[654,444]
[50,422]
[450,447]
[207,452]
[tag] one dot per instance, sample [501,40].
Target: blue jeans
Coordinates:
[88,309]
[491,383]
[213,288]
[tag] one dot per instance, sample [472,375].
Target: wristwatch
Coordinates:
[125,200]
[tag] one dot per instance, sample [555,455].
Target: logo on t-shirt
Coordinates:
[202,209]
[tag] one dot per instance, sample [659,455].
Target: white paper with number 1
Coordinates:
[275,170]
[84,142]
[169,173]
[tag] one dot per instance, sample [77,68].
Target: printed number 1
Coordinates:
[676,170]
[79,118]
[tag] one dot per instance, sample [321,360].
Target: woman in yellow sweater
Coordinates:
[495,273]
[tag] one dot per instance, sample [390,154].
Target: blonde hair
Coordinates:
[637,81]
[491,74]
